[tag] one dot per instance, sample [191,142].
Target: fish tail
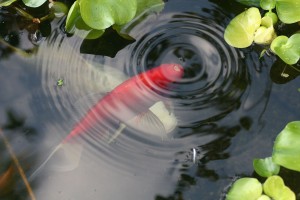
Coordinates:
[36,172]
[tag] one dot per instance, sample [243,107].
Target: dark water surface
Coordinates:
[227,109]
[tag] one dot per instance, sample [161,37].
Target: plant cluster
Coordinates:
[249,26]
[94,17]
[286,151]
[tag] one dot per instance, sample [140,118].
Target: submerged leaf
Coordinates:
[34,3]
[245,189]
[240,31]
[286,150]
[288,10]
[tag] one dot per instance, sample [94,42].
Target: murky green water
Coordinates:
[228,109]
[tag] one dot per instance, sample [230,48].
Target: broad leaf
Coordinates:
[274,187]
[245,189]
[265,167]
[34,3]
[288,10]
[240,31]
[288,49]
[73,16]
[286,150]
[101,14]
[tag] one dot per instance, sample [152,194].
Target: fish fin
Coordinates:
[66,157]
[164,112]
[148,122]
[117,133]
[37,171]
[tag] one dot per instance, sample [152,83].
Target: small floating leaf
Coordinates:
[245,189]
[267,4]
[73,16]
[286,150]
[274,187]
[264,197]
[265,167]
[264,35]
[101,14]
[288,49]
[34,3]
[288,10]
[240,31]
[273,17]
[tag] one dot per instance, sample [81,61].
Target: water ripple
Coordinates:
[214,79]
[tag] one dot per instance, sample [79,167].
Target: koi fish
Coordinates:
[134,96]
[129,98]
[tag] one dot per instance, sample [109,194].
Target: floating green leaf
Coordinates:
[267,4]
[101,14]
[273,16]
[245,189]
[73,16]
[264,197]
[288,10]
[274,187]
[240,31]
[34,3]
[265,167]
[286,150]
[264,35]
[288,49]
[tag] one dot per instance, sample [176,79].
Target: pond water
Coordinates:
[228,109]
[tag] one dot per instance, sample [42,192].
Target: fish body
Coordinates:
[130,98]
[124,103]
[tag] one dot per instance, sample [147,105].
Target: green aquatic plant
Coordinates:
[265,167]
[288,49]
[286,150]
[95,17]
[240,31]
[251,189]
[286,153]
[247,28]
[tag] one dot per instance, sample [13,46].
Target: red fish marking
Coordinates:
[130,98]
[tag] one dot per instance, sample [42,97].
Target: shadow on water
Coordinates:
[227,109]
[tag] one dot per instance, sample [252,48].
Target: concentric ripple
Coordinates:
[214,79]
